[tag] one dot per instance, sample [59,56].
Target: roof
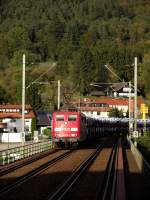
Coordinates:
[14,106]
[110,101]
[118,102]
[117,86]
[17,115]
[97,93]
[101,109]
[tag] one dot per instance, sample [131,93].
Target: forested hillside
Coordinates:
[81,36]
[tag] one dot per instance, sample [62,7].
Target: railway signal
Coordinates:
[144,110]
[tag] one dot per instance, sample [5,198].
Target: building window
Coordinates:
[13,120]
[98,113]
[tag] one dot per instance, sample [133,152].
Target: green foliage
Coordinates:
[47,132]
[4,96]
[33,126]
[144,146]
[81,36]
[116,113]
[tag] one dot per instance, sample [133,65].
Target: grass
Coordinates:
[144,146]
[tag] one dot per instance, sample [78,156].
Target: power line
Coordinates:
[53,65]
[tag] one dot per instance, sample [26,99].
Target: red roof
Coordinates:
[101,109]
[110,101]
[16,115]
[14,106]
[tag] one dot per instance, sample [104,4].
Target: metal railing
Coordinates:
[11,155]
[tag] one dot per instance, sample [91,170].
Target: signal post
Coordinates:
[144,111]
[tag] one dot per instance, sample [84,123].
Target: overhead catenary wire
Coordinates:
[53,65]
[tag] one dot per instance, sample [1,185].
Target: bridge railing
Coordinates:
[13,154]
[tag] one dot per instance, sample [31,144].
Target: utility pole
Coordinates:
[58,102]
[129,108]
[135,94]
[23,99]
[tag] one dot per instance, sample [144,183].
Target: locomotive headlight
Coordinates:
[73,134]
[74,129]
[57,129]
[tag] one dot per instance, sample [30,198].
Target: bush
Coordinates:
[33,126]
[144,146]
[47,132]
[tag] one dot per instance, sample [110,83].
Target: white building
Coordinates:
[11,117]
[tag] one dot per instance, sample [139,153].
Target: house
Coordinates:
[100,107]
[120,89]
[43,120]
[11,118]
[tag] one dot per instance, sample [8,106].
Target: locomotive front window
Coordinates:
[72,117]
[59,117]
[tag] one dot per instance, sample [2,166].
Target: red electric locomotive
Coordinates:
[68,128]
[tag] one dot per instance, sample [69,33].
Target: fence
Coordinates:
[11,155]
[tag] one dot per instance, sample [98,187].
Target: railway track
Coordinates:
[14,166]
[30,174]
[6,192]
[109,186]
[96,172]
[69,183]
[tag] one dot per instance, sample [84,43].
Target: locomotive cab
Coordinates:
[68,128]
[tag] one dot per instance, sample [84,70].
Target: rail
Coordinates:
[11,155]
[64,189]
[34,172]
[114,185]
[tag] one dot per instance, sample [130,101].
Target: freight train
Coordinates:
[71,128]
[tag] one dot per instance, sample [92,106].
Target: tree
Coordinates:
[116,113]
[146,74]
[4,97]
[33,126]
